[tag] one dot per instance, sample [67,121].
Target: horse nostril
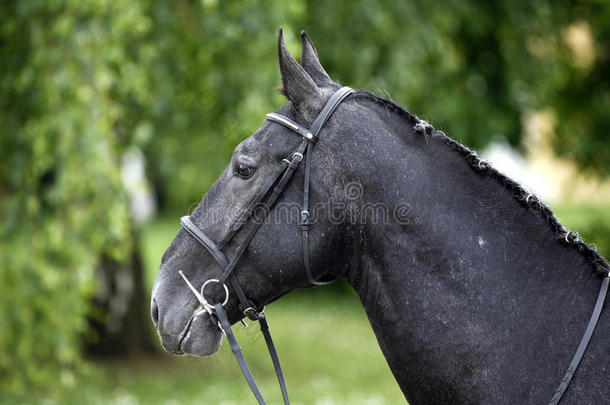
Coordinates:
[154,312]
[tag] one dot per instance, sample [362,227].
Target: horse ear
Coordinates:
[299,87]
[311,62]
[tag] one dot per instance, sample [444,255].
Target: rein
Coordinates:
[584,342]
[267,196]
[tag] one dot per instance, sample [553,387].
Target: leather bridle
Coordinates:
[264,199]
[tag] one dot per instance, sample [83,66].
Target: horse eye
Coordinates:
[244,171]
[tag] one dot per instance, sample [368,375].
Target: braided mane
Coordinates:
[528,200]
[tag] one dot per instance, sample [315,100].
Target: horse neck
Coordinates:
[473,279]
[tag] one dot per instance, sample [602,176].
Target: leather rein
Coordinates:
[266,197]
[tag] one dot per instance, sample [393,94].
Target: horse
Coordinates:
[475,291]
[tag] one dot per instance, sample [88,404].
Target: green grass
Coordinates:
[327,348]
[328,351]
[326,345]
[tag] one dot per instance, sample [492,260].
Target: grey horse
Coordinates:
[475,291]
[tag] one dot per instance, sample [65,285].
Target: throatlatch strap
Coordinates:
[271,191]
[584,342]
[277,190]
[306,221]
[305,211]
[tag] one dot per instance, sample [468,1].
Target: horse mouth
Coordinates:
[201,336]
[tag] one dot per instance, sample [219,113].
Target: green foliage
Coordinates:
[475,69]
[592,223]
[214,77]
[69,71]
[187,80]
[472,69]
[328,350]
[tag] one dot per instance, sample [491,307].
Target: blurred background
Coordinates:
[116,117]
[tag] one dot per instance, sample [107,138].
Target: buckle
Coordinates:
[291,164]
[253,314]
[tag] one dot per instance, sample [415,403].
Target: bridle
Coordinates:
[584,342]
[264,199]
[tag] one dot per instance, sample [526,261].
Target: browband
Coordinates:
[290,124]
[267,196]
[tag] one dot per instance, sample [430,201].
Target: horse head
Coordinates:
[266,237]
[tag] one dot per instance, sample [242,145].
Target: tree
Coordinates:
[185,81]
[71,80]
[473,69]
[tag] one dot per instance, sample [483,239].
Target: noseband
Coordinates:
[265,199]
